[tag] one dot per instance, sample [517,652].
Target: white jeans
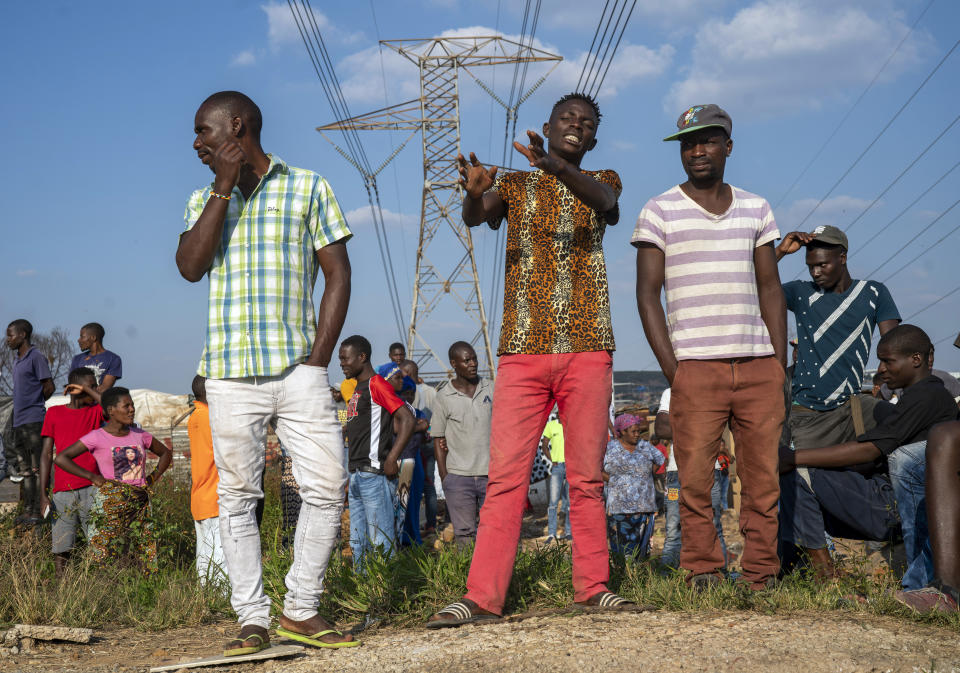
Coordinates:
[210,563]
[240,409]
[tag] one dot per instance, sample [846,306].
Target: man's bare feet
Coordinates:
[313,626]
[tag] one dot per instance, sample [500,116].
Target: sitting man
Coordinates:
[857,489]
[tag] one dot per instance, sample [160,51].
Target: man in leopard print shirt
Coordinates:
[556,347]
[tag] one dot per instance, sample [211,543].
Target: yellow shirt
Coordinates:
[554,432]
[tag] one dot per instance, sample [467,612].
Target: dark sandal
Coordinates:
[608,601]
[460,613]
[236,648]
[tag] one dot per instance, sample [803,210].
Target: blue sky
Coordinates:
[100,97]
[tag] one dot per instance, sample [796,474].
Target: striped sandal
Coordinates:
[457,614]
[607,601]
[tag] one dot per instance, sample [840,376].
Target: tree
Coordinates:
[57,346]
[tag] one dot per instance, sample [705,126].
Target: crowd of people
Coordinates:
[814,457]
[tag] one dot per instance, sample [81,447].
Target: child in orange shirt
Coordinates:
[204,504]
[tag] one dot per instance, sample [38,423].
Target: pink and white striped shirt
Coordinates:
[713,309]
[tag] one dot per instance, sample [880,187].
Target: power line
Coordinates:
[305,20]
[925,251]
[880,134]
[902,173]
[596,89]
[933,303]
[593,42]
[896,217]
[598,61]
[852,107]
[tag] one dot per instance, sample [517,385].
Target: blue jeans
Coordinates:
[559,488]
[908,470]
[718,497]
[372,514]
[411,523]
[671,506]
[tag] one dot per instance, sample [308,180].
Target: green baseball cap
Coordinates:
[701,117]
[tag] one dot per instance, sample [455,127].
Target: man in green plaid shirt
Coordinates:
[261,231]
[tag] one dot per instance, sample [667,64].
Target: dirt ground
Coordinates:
[806,642]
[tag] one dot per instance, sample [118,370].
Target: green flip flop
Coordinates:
[239,651]
[315,638]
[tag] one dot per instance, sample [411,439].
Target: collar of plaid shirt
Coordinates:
[261,318]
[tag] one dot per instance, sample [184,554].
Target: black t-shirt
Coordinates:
[922,405]
[369,425]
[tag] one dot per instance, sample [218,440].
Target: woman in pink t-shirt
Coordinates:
[120,449]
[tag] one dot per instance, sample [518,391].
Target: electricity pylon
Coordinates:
[437,114]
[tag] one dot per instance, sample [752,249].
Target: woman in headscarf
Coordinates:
[631,502]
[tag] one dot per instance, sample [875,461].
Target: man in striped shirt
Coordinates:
[261,231]
[721,344]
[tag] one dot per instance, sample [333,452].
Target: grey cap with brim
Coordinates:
[702,117]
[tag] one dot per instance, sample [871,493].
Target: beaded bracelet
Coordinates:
[226,197]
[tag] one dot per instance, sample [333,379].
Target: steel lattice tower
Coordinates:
[437,114]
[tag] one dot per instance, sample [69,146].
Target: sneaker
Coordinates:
[928,599]
[551,540]
[16,478]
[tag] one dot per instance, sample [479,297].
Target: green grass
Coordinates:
[402,591]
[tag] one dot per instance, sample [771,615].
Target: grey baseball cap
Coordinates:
[831,235]
[701,117]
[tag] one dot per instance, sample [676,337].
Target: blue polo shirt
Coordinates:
[834,332]
[29,372]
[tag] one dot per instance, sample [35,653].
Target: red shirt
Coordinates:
[662,448]
[66,426]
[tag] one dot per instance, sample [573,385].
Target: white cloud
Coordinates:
[780,55]
[624,146]
[26,273]
[244,58]
[362,218]
[838,211]
[281,26]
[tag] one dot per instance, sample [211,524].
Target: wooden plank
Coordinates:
[274,652]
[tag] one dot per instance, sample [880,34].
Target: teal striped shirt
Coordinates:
[261,318]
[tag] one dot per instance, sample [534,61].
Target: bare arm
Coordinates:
[77,389]
[792,242]
[593,193]
[47,388]
[479,204]
[841,455]
[198,246]
[162,451]
[773,305]
[440,453]
[650,271]
[64,461]
[403,423]
[661,426]
[335,265]
[106,383]
[885,326]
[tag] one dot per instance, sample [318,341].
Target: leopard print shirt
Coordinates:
[555,292]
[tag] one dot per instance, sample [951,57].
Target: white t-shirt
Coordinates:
[665,409]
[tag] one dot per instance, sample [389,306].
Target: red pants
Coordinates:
[706,395]
[527,388]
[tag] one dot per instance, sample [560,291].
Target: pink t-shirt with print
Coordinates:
[120,458]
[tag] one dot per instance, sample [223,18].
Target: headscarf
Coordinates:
[624,421]
[388,370]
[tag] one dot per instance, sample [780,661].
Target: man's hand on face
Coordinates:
[538,157]
[474,178]
[227,162]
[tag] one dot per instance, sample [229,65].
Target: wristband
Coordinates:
[225,197]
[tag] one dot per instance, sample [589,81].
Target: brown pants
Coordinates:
[747,393]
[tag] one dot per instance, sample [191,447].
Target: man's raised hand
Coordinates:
[537,156]
[793,242]
[227,162]
[474,178]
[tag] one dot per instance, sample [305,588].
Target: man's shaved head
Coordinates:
[907,340]
[236,104]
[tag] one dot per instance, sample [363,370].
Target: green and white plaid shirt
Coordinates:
[260,310]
